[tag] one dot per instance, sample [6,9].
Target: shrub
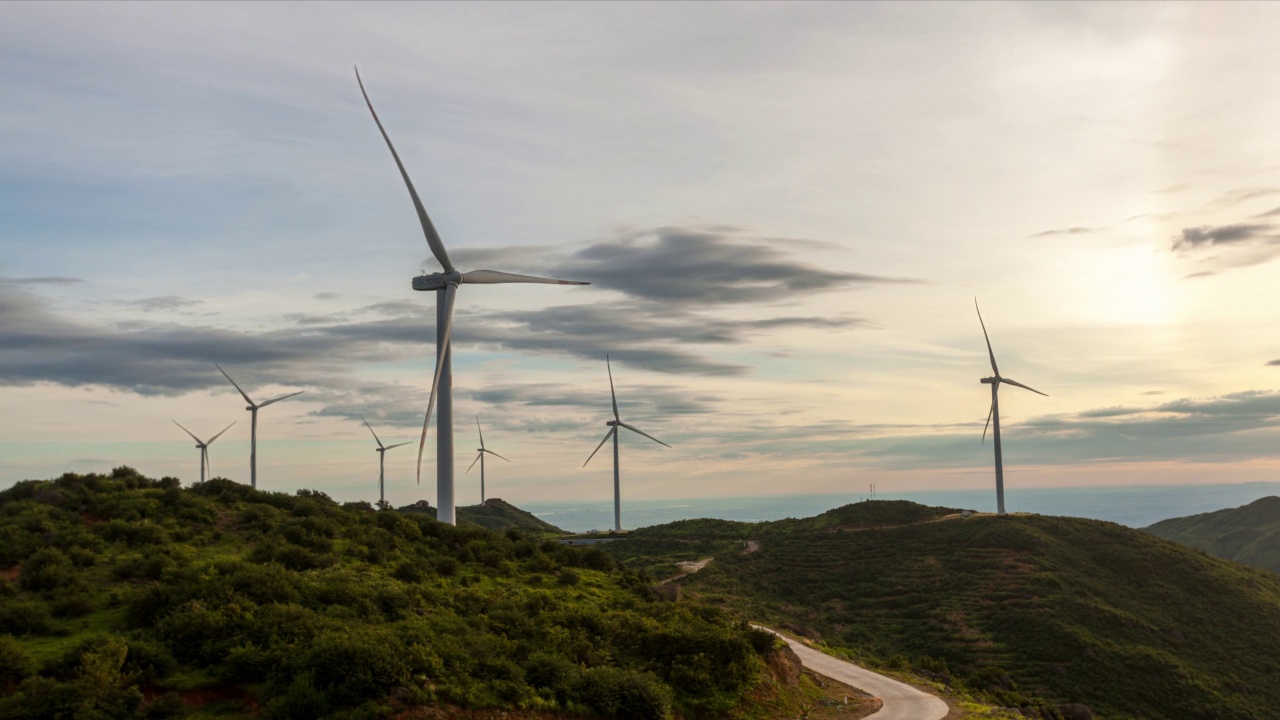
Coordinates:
[302,701]
[25,617]
[354,667]
[46,569]
[14,663]
[168,706]
[568,577]
[626,695]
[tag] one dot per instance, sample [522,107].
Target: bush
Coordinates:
[568,577]
[626,695]
[25,617]
[302,701]
[168,706]
[46,569]
[14,663]
[351,668]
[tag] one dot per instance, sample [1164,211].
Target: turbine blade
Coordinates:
[990,352]
[450,292]
[193,435]
[480,431]
[612,394]
[375,435]
[433,238]
[215,437]
[638,430]
[494,277]
[406,442]
[282,397]
[233,382]
[495,454]
[473,462]
[989,414]
[1024,387]
[607,435]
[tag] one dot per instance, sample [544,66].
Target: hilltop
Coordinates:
[127,597]
[494,514]
[1032,611]
[1249,534]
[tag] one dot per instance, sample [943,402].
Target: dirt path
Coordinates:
[901,701]
[688,567]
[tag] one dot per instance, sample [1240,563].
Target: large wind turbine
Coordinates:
[446,286]
[480,452]
[253,432]
[382,456]
[204,448]
[994,415]
[614,424]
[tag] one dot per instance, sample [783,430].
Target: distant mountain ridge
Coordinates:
[495,514]
[1248,534]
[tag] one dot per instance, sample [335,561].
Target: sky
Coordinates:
[786,212]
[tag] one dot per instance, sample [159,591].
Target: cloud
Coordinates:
[1195,238]
[163,302]
[52,280]
[1201,274]
[1067,231]
[702,266]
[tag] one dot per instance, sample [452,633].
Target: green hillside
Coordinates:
[1249,534]
[125,597]
[1032,610]
[496,515]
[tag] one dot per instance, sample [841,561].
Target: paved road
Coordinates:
[901,701]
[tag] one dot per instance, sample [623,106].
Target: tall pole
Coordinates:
[995,432]
[253,449]
[617,486]
[204,460]
[482,477]
[444,429]
[382,459]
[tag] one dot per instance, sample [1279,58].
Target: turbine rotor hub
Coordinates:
[613,423]
[989,380]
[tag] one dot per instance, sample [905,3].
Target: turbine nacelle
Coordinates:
[614,423]
[436,281]
[989,381]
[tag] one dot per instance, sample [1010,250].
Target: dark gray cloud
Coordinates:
[1270,213]
[1066,231]
[1274,362]
[326,296]
[163,302]
[703,266]
[1195,238]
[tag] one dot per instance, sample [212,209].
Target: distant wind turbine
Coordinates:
[253,432]
[203,445]
[480,453]
[382,456]
[614,424]
[446,286]
[993,417]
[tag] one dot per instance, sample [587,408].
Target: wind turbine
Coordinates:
[994,415]
[480,451]
[446,286]
[204,447]
[253,432]
[382,456]
[614,424]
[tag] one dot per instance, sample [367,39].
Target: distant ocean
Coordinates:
[1136,506]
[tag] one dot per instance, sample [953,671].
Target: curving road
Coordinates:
[901,701]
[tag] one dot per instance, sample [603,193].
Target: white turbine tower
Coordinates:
[253,432]
[382,456]
[993,417]
[203,445]
[446,286]
[480,453]
[614,424]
